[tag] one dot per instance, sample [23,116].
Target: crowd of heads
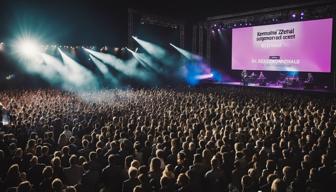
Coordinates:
[163,140]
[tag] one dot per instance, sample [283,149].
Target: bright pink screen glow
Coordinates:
[297,46]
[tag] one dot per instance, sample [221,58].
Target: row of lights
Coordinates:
[298,16]
[219,27]
[3,45]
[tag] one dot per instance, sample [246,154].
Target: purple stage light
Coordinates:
[293,15]
[302,13]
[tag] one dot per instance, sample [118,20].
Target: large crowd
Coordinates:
[163,140]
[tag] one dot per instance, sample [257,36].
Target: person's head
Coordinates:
[160,153]
[112,159]
[214,163]
[92,156]
[128,161]
[245,181]
[57,154]
[66,127]
[86,166]
[312,173]
[135,163]
[72,139]
[132,172]
[81,160]
[324,160]
[252,172]
[33,161]
[192,146]
[164,182]
[143,169]
[138,188]
[70,189]
[65,150]
[155,164]
[31,143]
[169,171]
[182,179]
[286,171]
[19,153]
[57,185]
[85,143]
[270,165]
[56,162]
[271,178]
[45,150]
[206,154]
[24,186]
[181,156]
[143,179]
[278,186]
[197,158]
[73,160]
[48,172]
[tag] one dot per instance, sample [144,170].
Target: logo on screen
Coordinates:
[274,57]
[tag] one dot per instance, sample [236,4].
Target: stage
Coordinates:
[274,87]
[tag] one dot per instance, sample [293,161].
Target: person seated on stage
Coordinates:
[252,77]
[308,83]
[244,74]
[261,76]
[310,79]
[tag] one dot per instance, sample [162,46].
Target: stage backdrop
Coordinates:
[297,46]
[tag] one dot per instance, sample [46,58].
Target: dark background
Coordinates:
[103,21]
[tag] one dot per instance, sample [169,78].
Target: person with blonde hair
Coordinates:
[278,185]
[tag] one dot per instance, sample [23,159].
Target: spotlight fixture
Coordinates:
[28,47]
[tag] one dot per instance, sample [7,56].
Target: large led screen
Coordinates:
[297,46]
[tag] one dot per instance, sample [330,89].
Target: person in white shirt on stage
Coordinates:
[261,78]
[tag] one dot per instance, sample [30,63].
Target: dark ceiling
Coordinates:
[90,22]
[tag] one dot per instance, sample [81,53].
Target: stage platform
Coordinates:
[275,86]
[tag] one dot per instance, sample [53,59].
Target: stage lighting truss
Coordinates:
[155,20]
[271,16]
